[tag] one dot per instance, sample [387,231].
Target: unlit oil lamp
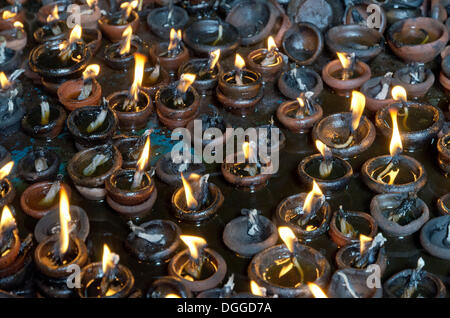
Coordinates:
[307,214]
[168,287]
[249,234]
[54,28]
[286,269]
[162,20]
[16,38]
[303,43]
[443,204]
[348,283]
[443,146]
[347,134]
[54,256]
[11,103]
[7,191]
[415,283]
[134,106]
[38,165]
[113,24]
[199,267]
[435,237]
[394,172]
[378,91]
[267,62]
[89,169]
[106,279]
[197,200]
[169,168]
[82,92]
[415,79]
[120,55]
[345,74]
[11,14]
[331,173]
[240,89]
[299,80]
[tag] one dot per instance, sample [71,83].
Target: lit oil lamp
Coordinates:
[93,39]
[11,14]
[82,92]
[53,11]
[54,28]
[55,254]
[443,204]
[299,80]
[347,134]
[267,62]
[7,191]
[286,269]
[435,237]
[348,283]
[240,89]
[90,168]
[249,234]
[331,173]
[415,283]
[395,172]
[131,147]
[120,55]
[248,169]
[197,200]
[168,287]
[162,20]
[11,103]
[415,79]
[38,165]
[113,24]
[106,279]
[307,214]
[169,169]
[178,103]
[132,192]
[199,267]
[16,38]
[377,91]
[345,74]
[443,146]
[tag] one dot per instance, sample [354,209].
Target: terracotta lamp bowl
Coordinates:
[114,31]
[157,21]
[303,43]
[69,91]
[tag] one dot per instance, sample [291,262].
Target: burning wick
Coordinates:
[45,112]
[271,56]
[212,61]
[174,47]
[126,41]
[196,246]
[6,169]
[257,290]
[67,48]
[141,165]
[251,158]
[196,191]
[313,202]
[127,7]
[399,94]
[416,276]
[289,239]
[239,64]
[302,111]
[326,165]
[316,291]
[7,228]
[52,19]
[368,250]
[8,14]
[91,3]
[184,83]
[109,270]
[345,227]
[348,64]
[88,77]
[131,103]
[64,219]
[357,107]
[19,27]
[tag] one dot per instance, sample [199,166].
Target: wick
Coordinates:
[137,179]
[391,165]
[253,226]
[45,112]
[97,161]
[86,90]
[413,282]
[347,72]
[219,34]
[345,227]
[56,30]
[238,77]
[51,194]
[141,233]
[154,75]
[386,81]
[98,122]
[40,164]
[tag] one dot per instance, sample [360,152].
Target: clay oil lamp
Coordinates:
[162,20]
[443,147]
[418,124]
[53,11]
[171,55]
[248,169]
[16,38]
[7,191]
[359,14]
[443,204]
[54,256]
[113,24]
[397,10]
[178,103]
[417,40]
[169,168]
[307,214]
[15,257]
[82,92]
[90,168]
[303,43]
[197,200]
[377,91]
[415,79]
[106,279]
[357,257]
[347,134]
[40,164]
[93,39]
[267,62]
[345,74]
[130,148]
[11,103]
[240,89]
[286,269]
[394,172]
[133,107]
[249,234]
[132,192]
[54,30]
[331,173]
[9,15]
[435,237]
[155,241]
[299,80]
[168,287]
[348,283]
[89,18]
[206,72]
[205,36]
[120,55]
[45,121]
[415,283]
[199,267]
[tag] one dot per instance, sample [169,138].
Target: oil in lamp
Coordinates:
[415,79]
[7,191]
[134,106]
[307,214]
[345,74]
[16,38]
[199,267]
[347,134]
[443,147]
[106,279]
[120,55]
[286,269]
[132,192]
[419,123]
[178,103]
[348,283]
[162,20]
[54,27]
[240,89]
[443,204]
[415,283]
[330,172]
[113,24]
[169,169]
[38,165]
[168,287]
[299,80]
[197,200]
[394,172]
[56,253]
[82,92]
[267,62]
[435,237]
[11,103]
[249,234]
[377,91]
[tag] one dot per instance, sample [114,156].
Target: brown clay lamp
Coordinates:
[169,168]
[199,268]
[350,283]
[16,38]
[299,80]
[378,91]
[9,15]
[130,148]
[120,55]
[435,237]
[11,103]
[415,79]
[114,24]
[267,62]
[162,20]
[168,287]
[443,204]
[7,191]
[54,28]
[443,147]
[38,165]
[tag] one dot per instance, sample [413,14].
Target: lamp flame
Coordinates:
[64,219]
[175,37]
[139,63]
[185,82]
[5,83]
[91,71]
[172,296]
[76,33]
[399,93]
[216,55]
[109,259]
[54,15]
[316,291]
[343,58]
[307,205]
[288,237]
[6,169]
[395,146]
[323,149]
[239,62]
[271,44]
[194,244]
[7,221]
[18,25]
[301,102]
[91,3]
[126,37]
[128,6]
[256,289]
[363,240]
[8,15]
[392,175]
[143,159]
[357,106]
[190,200]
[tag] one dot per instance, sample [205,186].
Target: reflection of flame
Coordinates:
[271,43]
[64,219]
[194,244]
[7,221]
[215,54]
[54,16]
[126,35]
[392,175]
[143,159]
[307,205]
[185,82]
[255,289]
[239,62]
[396,142]
[345,62]
[321,147]
[6,169]
[316,291]
[139,63]
[288,237]
[363,240]
[172,296]
[190,200]
[5,83]
[18,25]
[357,106]
[91,71]
[399,93]
[75,35]
[8,15]
[301,102]
[109,260]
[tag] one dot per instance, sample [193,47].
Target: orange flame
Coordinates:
[139,63]
[172,296]
[185,82]
[190,200]
[7,221]
[301,102]
[239,62]
[91,71]
[108,259]
[126,35]
[271,44]
[343,58]
[363,240]
[64,219]
[357,106]
[175,37]
[6,169]
[194,244]
[91,3]
[399,93]
[8,15]
[143,159]
[5,83]
[307,205]
[396,146]
[288,237]
[321,147]
[216,55]
[128,6]
[316,291]
[255,289]
[18,25]
[54,15]
[76,33]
